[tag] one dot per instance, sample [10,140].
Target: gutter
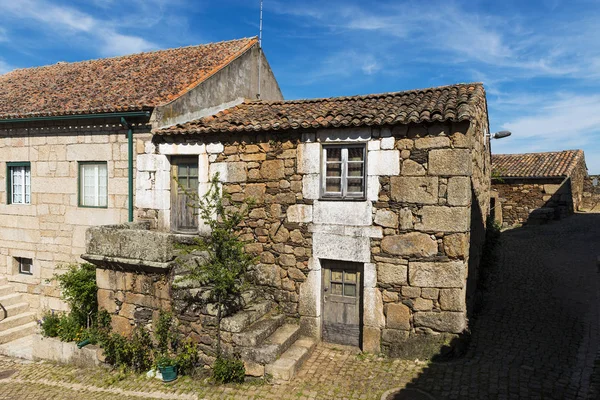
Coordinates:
[120,115]
[129,168]
[77,116]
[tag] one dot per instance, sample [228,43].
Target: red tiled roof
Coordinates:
[133,82]
[536,165]
[454,103]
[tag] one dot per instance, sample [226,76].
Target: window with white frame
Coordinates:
[25,265]
[93,184]
[19,183]
[344,171]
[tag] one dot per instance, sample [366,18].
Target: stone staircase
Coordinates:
[17,321]
[267,342]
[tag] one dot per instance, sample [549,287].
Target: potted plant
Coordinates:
[168,367]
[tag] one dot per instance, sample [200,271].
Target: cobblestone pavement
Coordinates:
[330,373]
[537,337]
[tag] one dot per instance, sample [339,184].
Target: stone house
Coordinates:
[368,222]
[591,193]
[537,187]
[70,134]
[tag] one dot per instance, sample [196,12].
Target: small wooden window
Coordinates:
[25,265]
[18,183]
[343,283]
[344,171]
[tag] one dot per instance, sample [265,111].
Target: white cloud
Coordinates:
[115,44]
[70,22]
[569,122]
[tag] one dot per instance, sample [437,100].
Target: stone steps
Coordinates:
[5,290]
[288,365]
[11,299]
[273,346]
[13,310]
[17,320]
[256,333]
[241,320]
[18,332]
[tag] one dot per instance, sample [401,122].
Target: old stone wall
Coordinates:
[51,230]
[519,197]
[133,297]
[591,192]
[578,177]
[411,232]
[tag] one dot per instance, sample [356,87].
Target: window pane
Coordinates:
[333,185]
[355,185]
[355,169]
[355,154]
[94,185]
[193,170]
[350,290]
[193,184]
[336,288]
[350,277]
[182,170]
[336,276]
[334,154]
[334,169]
[102,185]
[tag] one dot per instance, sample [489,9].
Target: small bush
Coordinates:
[226,370]
[69,329]
[187,358]
[79,290]
[49,324]
[165,333]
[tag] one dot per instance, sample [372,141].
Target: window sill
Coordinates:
[356,199]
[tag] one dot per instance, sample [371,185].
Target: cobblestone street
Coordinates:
[537,337]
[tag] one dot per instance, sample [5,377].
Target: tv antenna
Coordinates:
[260,29]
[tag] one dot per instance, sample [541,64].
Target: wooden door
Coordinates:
[184,218]
[342,305]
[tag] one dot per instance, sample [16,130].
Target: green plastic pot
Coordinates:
[168,373]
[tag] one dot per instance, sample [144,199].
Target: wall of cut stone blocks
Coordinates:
[520,197]
[51,230]
[591,192]
[411,233]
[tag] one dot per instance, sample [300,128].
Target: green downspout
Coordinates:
[121,115]
[129,166]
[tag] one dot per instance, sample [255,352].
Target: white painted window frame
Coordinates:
[21,180]
[97,203]
[344,194]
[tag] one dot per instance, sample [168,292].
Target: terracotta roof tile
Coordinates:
[454,103]
[536,165]
[133,82]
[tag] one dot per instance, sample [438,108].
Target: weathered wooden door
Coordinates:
[342,305]
[184,218]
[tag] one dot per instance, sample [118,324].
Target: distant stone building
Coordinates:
[591,193]
[537,187]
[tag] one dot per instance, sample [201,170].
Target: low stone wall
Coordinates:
[519,197]
[591,192]
[52,349]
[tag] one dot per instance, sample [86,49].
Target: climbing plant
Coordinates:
[225,269]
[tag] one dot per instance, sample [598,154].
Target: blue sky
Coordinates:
[539,60]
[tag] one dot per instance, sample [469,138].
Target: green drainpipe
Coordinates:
[129,166]
[121,115]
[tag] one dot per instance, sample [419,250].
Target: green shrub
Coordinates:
[69,329]
[116,349]
[49,324]
[226,370]
[79,290]
[165,333]
[187,357]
